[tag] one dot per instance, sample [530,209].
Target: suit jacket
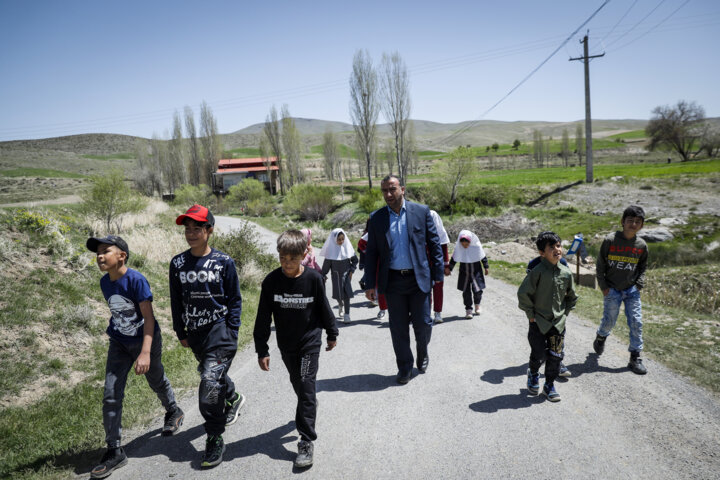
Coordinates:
[425,250]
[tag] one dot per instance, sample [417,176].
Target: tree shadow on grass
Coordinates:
[506,402]
[367,382]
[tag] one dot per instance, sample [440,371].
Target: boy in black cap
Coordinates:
[206,306]
[134,338]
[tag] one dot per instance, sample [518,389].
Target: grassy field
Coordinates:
[39,172]
[52,322]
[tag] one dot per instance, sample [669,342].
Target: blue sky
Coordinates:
[75,67]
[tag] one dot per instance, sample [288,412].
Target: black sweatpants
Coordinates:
[548,347]
[303,370]
[214,352]
[471,296]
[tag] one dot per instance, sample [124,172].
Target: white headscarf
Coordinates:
[473,253]
[332,251]
[444,239]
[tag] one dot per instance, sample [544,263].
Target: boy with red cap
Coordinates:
[206,305]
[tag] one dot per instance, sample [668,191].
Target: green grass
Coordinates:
[633,135]
[245,152]
[344,151]
[113,156]
[39,172]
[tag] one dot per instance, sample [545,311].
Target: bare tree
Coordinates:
[395,88]
[413,157]
[272,133]
[565,149]
[450,174]
[210,139]
[364,105]
[158,153]
[677,127]
[143,175]
[579,143]
[176,156]
[266,155]
[711,140]
[389,152]
[194,160]
[330,154]
[293,148]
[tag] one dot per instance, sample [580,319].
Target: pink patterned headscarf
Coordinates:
[309,260]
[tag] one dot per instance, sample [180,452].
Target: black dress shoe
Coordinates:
[423,366]
[403,379]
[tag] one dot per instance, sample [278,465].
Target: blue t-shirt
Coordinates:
[124,297]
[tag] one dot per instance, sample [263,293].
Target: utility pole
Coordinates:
[588,119]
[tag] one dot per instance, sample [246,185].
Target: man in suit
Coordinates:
[404,256]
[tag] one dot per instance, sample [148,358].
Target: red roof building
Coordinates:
[232,171]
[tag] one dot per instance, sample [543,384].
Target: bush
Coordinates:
[309,202]
[110,198]
[464,207]
[249,190]
[370,201]
[242,244]
[260,207]
[188,195]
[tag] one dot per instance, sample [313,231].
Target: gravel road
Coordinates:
[469,416]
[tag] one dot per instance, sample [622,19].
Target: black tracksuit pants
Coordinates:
[546,347]
[303,370]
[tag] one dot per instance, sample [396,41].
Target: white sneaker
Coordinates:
[438,317]
[468,314]
[340,310]
[381,314]
[346,318]
[478,310]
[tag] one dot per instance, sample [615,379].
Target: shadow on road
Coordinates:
[366,382]
[497,377]
[506,402]
[271,443]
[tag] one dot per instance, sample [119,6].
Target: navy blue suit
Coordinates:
[408,297]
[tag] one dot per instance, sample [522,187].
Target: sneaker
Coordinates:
[438,317]
[346,318]
[599,344]
[533,382]
[304,457]
[214,449]
[173,421]
[113,459]
[232,408]
[564,372]
[478,310]
[381,314]
[636,364]
[551,393]
[340,310]
[468,314]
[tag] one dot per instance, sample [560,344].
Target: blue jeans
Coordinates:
[120,359]
[633,312]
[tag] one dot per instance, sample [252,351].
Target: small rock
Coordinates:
[503,252]
[655,235]
[670,221]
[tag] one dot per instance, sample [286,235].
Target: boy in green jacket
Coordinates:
[546,295]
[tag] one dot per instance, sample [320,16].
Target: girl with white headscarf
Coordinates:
[437,290]
[340,258]
[471,257]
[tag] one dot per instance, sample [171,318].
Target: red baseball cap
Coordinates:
[199,214]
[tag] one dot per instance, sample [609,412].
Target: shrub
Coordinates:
[249,190]
[370,201]
[242,244]
[309,202]
[110,198]
[260,207]
[464,207]
[188,195]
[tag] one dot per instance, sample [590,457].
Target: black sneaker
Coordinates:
[173,421]
[304,457]
[533,382]
[232,408]
[636,364]
[113,459]
[214,449]
[599,344]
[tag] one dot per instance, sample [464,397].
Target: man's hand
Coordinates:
[370,295]
[184,343]
[532,320]
[264,363]
[330,345]
[142,364]
[487,272]
[605,292]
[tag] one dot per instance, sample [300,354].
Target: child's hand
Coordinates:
[184,343]
[264,363]
[605,292]
[330,345]
[532,320]
[447,271]
[487,272]
[142,364]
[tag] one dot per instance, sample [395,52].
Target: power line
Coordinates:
[638,23]
[654,27]
[618,22]
[457,133]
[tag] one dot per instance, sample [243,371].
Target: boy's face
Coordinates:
[109,257]
[196,235]
[465,243]
[290,263]
[340,239]
[632,225]
[552,252]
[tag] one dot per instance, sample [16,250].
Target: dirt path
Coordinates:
[468,417]
[53,201]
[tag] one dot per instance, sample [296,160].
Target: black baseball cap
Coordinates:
[92,243]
